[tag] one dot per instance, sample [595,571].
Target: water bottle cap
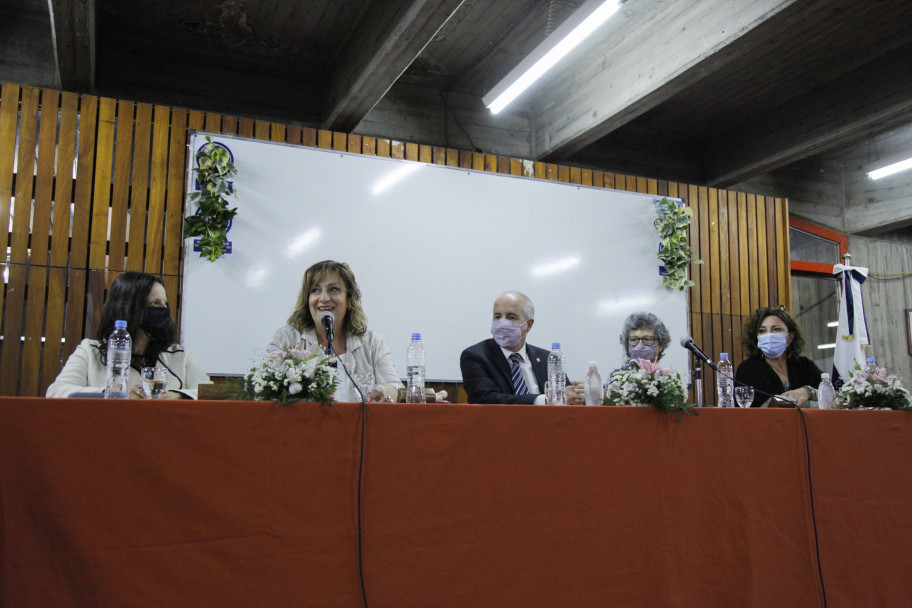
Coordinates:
[593,364]
[120,324]
[416,336]
[870,359]
[724,355]
[824,376]
[555,345]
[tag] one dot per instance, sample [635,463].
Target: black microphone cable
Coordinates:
[807,452]
[332,352]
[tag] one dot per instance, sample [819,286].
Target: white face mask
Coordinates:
[772,345]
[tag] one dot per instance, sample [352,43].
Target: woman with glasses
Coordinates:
[773,343]
[643,336]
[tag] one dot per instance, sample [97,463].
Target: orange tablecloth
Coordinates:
[145,503]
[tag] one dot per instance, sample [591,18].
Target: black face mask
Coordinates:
[156,322]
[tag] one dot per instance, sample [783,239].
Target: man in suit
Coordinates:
[504,369]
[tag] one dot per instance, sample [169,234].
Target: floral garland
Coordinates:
[873,390]
[291,375]
[648,384]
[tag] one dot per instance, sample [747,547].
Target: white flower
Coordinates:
[294,388]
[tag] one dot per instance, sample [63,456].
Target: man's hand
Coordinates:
[575,393]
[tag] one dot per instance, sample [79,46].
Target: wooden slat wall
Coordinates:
[70,236]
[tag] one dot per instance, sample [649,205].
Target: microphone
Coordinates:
[327,319]
[688,343]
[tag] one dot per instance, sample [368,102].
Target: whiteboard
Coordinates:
[431,248]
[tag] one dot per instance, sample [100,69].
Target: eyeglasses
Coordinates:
[647,340]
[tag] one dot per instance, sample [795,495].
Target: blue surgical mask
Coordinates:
[507,333]
[643,351]
[772,345]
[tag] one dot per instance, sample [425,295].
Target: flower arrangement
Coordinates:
[291,375]
[648,383]
[873,390]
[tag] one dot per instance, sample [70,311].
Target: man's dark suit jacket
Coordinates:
[486,373]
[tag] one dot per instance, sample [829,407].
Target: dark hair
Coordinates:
[752,326]
[641,320]
[127,300]
[355,323]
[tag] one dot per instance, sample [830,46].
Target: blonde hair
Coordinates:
[355,322]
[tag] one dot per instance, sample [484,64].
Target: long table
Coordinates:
[227,503]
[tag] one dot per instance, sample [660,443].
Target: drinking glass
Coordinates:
[744,395]
[365,382]
[155,380]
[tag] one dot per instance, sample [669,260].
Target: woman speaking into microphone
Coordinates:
[329,306]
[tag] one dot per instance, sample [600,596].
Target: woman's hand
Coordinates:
[383,393]
[137,392]
[800,395]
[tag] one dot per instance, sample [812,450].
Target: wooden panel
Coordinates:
[276,132]
[771,254]
[713,261]
[28,138]
[63,179]
[783,252]
[9,115]
[53,327]
[729,243]
[44,178]
[725,259]
[744,267]
[35,298]
[101,197]
[753,262]
[139,194]
[85,168]
[120,198]
[174,209]
[354,144]
[75,310]
[12,329]
[762,266]
[155,221]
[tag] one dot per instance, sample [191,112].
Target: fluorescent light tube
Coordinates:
[578,27]
[902,165]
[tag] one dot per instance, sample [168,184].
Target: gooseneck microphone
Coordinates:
[688,343]
[327,319]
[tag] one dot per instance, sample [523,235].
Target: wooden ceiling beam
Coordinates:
[390,36]
[73,32]
[660,50]
[859,105]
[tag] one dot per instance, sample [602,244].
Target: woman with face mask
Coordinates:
[773,342]
[643,336]
[141,300]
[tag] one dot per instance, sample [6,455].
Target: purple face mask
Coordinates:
[506,333]
[643,351]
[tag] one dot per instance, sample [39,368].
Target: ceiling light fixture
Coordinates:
[570,33]
[891,169]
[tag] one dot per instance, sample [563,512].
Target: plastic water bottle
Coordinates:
[826,394]
[870,366]
[416,368]
[593,385]
[557,378]
[120,350]
[724,381]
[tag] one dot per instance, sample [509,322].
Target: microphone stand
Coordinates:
[696,374]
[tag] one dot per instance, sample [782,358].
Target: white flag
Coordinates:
[852,332]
